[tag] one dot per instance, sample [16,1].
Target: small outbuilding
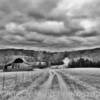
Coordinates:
[40,65]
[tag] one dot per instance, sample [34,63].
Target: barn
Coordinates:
[17,65]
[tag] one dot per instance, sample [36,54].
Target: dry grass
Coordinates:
[51,84]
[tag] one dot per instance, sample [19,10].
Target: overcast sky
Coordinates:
[50,24]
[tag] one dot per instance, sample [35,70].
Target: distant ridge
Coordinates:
[93,54]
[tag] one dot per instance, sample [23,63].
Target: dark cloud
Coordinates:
[49,24]
[87,34]
[36,15]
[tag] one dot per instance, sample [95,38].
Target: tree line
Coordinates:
[84,63]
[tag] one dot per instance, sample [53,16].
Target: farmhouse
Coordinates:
[17,65]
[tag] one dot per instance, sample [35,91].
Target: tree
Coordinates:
[85,63]
[4,61]
[40,56]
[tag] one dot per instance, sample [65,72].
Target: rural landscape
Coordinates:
[49,49]
[63,75]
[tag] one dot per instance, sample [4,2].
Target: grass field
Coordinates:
[51,84]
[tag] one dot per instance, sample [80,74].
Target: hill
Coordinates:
[6,55]
[92,54]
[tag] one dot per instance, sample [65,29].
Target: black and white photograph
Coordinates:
[49,49]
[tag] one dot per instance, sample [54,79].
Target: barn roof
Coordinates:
[18,60]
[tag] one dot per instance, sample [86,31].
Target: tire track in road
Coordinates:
[39,89]
[45,88]
[54,90]
[72,88]
[80,89]
[32,91]
[77,81]
[65,94]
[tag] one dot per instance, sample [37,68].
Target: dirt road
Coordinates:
[51,84]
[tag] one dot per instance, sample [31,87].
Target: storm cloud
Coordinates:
[50,24]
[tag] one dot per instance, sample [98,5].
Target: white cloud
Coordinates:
[88,24]
[63,40]
[46,26]
[13,38]
[13,27]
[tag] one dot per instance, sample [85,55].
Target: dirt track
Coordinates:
[57,85]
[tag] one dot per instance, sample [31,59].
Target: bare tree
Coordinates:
[40,56]
[5,60]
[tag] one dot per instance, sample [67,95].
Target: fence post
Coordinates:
[3,81]
[23,76]
[16,79]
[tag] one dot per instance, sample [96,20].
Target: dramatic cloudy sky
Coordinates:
[50,24]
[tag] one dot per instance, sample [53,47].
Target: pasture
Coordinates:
[51,84]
